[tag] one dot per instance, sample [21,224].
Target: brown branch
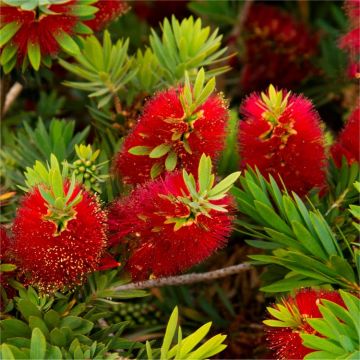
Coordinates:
[186,279]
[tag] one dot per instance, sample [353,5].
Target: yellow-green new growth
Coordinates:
[203,193]
[86,169]
[274,104]
[50,181]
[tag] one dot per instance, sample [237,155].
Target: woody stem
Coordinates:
[186,279]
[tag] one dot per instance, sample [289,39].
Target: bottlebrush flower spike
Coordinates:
[59,230]
[173,223]
[175,129]
[289,321]
[348,143]
[281,136]
[33,31]
[109,10]
[287,45]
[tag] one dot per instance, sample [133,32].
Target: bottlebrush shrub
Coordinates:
[173,223]
[314,324]
[287,46]
[34,33]
[177,126]
[348,142]
[59,230]
[281,136]
[108,11]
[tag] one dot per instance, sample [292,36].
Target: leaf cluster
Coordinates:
[293,236]
[185,348]
[31,145]
[107,68]
[338,331]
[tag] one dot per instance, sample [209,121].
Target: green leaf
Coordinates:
[38,345]
[204,173]
[206,92]
[8,31]
[199,83]
[159,151]
[140,150]
[8,53]
[6,352]
[156,170]
[28,309]
[224,185]
[7,267]
[13,328]
[36,322]
[343,268]
[34,54]
[67,43]
[171,161]
[169,334]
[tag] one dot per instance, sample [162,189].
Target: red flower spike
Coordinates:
[285,340]
[37,33]
[348,143]
[109,11]
[281,136]
[287,46]
[177,126]
[59,230]
[53,261]
[171,224]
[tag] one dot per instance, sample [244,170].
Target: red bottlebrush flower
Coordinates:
[281,135]
[286,45]
[166,137]
[172,224]
[350,42]
[109,10]
[286,341]
[348,143]
[4,243]
[41,32]
[59,230]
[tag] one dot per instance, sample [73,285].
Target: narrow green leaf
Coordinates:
[140,150]
[169,334]
[207,91]
[38,345]
[159,151]
[156,170]
[67,43]
[171,161]
[34,54]
[8,31]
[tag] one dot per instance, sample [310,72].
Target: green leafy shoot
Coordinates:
[203,194]
[187,46]
[274,102]
[60,200]
[192,97]
[294,237]
[189,347]
[106,68]
[337,332]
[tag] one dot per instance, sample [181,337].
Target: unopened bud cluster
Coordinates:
[142,314]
